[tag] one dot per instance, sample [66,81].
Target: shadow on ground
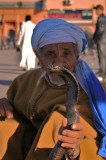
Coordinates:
[5,82]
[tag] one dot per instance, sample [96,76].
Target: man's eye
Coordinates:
[66,54]
[50,54]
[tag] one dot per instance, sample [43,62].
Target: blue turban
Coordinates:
[56,30]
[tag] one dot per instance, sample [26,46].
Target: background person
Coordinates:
[100,38]
[29,59]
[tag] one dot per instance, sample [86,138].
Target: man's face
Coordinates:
[98,11]
[61,54]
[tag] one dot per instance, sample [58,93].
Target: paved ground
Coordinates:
[92,61]
[9,69]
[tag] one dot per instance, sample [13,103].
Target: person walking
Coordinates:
[100,38]
[29,59]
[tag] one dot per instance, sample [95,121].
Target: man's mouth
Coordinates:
[55,79]
[52,74]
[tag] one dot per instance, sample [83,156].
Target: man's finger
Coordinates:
[77,126]
[65,139]
[68,145]
[7,108]
[73,134]
[64,123]
[2,110]
[9,112]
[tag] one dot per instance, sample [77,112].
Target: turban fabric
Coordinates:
[55,30]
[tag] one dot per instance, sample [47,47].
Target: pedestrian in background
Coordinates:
[100,39]
[29,59]
[11,39]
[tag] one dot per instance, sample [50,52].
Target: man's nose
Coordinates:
[59,60]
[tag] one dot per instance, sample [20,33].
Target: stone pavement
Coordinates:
[92,61]
[9,69]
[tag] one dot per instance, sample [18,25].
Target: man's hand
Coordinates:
[17,45]
[71,138]
[6,110]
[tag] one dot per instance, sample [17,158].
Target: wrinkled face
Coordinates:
[62,54]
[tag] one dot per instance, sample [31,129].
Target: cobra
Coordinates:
[72,113]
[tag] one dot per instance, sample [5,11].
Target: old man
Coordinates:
[37,100]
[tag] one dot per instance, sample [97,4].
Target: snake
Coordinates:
[72,113]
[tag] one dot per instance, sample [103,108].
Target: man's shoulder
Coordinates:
[29,23]
[35,73]
[102,17]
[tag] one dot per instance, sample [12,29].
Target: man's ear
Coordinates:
[38,56]
[36,53]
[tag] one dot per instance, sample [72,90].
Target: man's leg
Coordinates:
[100,58]
[103,59]
[30,58]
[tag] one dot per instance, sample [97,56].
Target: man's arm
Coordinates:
[21,34]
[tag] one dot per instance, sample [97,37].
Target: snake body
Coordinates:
[71,100]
